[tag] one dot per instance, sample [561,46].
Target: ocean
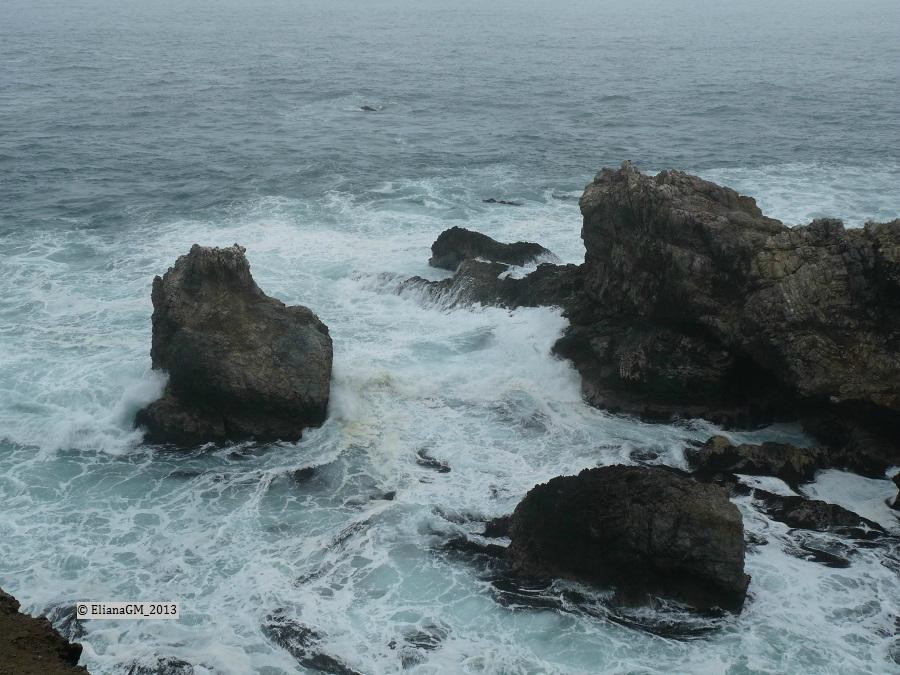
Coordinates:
[131,130]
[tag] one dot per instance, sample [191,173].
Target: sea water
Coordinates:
[131,130]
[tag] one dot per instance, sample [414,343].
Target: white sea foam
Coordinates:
[233,536]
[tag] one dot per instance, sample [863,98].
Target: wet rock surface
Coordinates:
[458,244]
[815,514]
[646,528]
[31,646]
[479,282]
[791,464]
[767,318]
[163,666]
[304,644]
[241,365]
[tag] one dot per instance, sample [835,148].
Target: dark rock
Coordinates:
[810,313]
[416,641]
[660,372]
[644,527]
[241,365]
[814,514]
[791,464]
[497,527]
[457,244]
[389,496]
[304,475]
[429,462]
[863,442]
[64,619]
[827,551]
[302,643]
[896,504]
[368,108]
[477,282]
[469,547]
[504,202]
[30,645]
[163,666]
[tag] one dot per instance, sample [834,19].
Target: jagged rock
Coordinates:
[791,464]
[497,527]
[423,458]
[659,372]
[643,527]
[811,313]
[814,514]
[478,282]
[503,202]
[457,244]
[302,643]
[30,645]
[162,666]
[896,504]
[241,365]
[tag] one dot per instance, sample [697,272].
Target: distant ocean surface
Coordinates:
[131,130]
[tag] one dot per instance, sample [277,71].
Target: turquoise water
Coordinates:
[129,131]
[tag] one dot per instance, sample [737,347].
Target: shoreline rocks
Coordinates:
[479,282]
[30,645]
[791,464]
[457,244]
[241,365]
[643,527]
[799,322]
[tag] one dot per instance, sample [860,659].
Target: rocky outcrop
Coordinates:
[643,527]
[303,643]
[483,283]
[241,365]
[30,646]
[791,464]
[815,514]
[773,321]
[458,244]
[896,504]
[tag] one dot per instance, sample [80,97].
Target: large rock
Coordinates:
[241,365]
[30,646]
[642,527]
[809,316]
[457,244]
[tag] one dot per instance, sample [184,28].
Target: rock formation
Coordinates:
[791,464]
[771,321]
[30,646]
[479,282]
[642,527]
[241,365]
[457,244]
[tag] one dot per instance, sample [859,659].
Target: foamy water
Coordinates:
[89,513]
[131,130]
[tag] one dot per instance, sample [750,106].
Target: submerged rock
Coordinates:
[457,244]
[241,365]
[478,282]
[896,504]
[30,645]
[503,202]
[791,464]
[162,666]
[303,643]
[814,514]
[643,527]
